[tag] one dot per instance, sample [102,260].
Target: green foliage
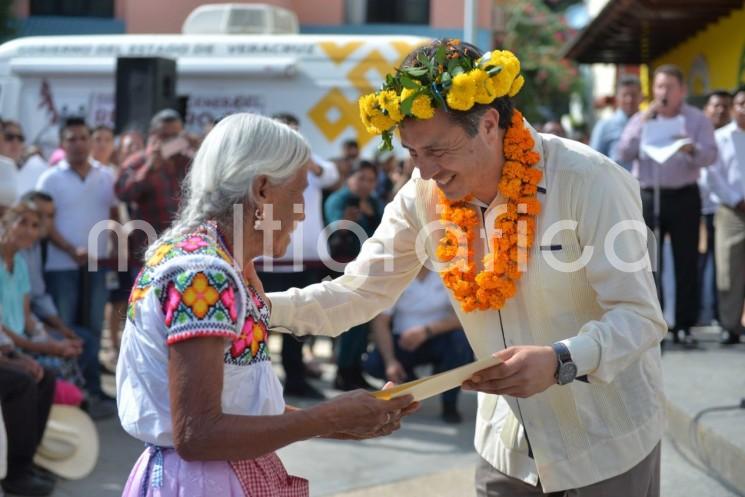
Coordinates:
[536,33]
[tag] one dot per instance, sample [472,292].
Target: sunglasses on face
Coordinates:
[13,136]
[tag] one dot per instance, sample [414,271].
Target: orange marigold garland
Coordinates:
[514,229]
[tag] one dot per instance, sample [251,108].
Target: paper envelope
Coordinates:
[425,388]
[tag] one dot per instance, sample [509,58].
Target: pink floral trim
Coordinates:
[228,299]
[192,244]
[186,335]
[173,299]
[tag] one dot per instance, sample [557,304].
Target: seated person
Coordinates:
[44,310]
[421,328]
[26,394]
[19,228]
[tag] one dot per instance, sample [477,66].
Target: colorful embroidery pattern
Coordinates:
[203,297]
[192,305]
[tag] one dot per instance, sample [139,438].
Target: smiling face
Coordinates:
[23,230]
[459,163]
[283,199]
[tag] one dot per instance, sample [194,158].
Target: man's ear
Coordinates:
[260,189]
[490,124]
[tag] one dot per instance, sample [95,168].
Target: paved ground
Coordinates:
[429,458]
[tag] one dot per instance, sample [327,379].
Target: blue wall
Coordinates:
[59,25]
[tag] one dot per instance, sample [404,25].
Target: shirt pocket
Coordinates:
[561,275]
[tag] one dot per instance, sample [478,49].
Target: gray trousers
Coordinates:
[730,263]
[643,480]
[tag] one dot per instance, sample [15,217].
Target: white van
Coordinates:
[318,78]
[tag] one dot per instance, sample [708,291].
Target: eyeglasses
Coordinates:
[13,136]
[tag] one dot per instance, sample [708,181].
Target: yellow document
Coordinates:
[425,388]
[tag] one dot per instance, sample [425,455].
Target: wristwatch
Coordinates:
[566,370]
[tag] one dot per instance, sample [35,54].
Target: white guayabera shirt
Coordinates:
[583,286]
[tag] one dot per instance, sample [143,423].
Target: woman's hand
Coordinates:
[358,415]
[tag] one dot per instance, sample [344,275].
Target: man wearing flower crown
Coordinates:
[542,244]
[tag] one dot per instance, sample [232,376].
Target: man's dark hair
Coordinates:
[350,143]
[670,70]
[740,89]
[287,118]
[718,93]
[365,164]
[34,196]
[103,127]
[72,122]
[629,80]
[163,117]
[469,119]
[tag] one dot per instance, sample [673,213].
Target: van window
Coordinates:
[72,8]
[395,12]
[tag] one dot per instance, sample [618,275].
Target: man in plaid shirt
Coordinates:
[150,181]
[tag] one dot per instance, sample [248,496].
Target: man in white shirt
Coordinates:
[420,328]
[584,307]
[8,177]
[83,193]
[726,180]
[30,166]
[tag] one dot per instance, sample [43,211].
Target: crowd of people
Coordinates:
[58,292]
[700,196]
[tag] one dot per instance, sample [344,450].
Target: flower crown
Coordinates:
[448,79]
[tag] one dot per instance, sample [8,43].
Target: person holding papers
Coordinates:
[534,238]
[726,179]
[681,142]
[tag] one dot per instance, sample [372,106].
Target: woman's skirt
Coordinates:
[160,472]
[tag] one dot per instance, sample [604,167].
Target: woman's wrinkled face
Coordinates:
[283,209]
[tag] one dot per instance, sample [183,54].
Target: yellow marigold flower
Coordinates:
[372,116]
[516,85]
[485,92]
[388,101]
[366,110]
[462,92]
[502,82]
[421,107]
[381,121]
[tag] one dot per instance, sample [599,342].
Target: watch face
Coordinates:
[567,373]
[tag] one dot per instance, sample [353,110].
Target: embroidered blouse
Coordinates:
[192,287]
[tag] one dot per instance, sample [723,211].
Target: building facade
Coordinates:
[432,18]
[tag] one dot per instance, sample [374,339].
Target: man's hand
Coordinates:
[28,365]
[154,156]
[413,338]
[688,148]
[525,370]
[63,348]
[652,110]
[81,256]
[395,372]
[315,169]
[351,213]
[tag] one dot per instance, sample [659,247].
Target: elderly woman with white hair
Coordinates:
[194,378]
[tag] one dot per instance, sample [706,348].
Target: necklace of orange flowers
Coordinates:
[514,229]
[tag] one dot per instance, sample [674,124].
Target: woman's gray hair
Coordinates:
[238,149]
